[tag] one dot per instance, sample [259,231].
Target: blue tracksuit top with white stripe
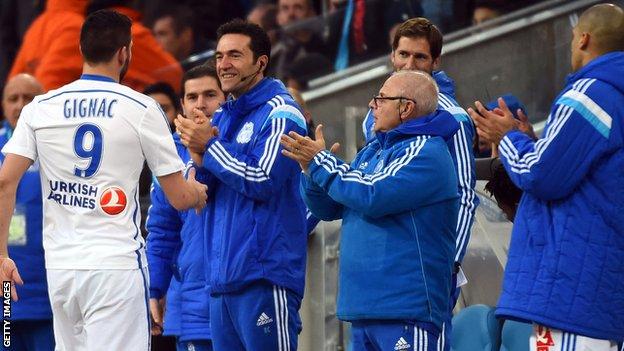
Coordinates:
[25,243]
[176,261]
[564,268]
[398,202]
[460,146]
[258,231]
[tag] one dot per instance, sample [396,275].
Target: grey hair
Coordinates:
[421,87]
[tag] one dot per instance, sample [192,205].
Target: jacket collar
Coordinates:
[439,123]
[258,95]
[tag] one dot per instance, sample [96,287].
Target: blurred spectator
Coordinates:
[264,14]
[173,29]
[169,102]
[49,49]
[306,68]
[294,42]
[166,97]
[209,14]
[358,29]
[15,18]
[150,62]
[486,10]
[31,316]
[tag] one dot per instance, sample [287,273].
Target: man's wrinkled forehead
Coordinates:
[230,43]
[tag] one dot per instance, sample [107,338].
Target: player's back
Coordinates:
[92,137]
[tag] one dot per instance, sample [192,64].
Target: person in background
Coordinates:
[264,14]
[173,29]
[31,316]
[293,42]
[50,50]
[174,32]
[169,102]
[486,10]
[178,303]
[564,270]
[166,97]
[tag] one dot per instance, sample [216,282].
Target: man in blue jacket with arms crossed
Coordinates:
[564,272]
[398,203]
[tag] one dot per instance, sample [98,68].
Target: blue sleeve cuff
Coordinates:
[155,293]
[315,164]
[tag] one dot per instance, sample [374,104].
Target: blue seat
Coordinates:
[476,328]
[515,336]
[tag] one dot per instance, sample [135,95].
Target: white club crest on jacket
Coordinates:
[245,133]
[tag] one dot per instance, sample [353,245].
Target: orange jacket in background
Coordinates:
[50,48]
[150,62]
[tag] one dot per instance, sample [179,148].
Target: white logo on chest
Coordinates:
[245,133]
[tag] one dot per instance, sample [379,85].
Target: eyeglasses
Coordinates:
[376,99]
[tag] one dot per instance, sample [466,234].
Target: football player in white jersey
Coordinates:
[91,138]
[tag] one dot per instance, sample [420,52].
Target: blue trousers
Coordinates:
[382,335]
[260,317]
[31,336]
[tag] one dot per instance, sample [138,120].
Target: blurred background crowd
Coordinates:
[310,38]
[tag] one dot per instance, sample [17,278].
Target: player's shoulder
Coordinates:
[134,97]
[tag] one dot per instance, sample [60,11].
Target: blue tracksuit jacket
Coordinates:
[258,231]
[176,261]
[460,146]
[398,202]
[25,243]
[565,257]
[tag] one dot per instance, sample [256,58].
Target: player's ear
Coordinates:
[123,54]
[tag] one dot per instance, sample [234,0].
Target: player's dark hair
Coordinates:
[259,40]
[103,33]
[204,70]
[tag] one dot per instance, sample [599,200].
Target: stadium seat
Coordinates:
[515,336]
[476,328]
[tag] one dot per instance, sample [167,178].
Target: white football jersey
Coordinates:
[91,138]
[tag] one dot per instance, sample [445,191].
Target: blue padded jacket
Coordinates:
[565,266]
[176,261]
